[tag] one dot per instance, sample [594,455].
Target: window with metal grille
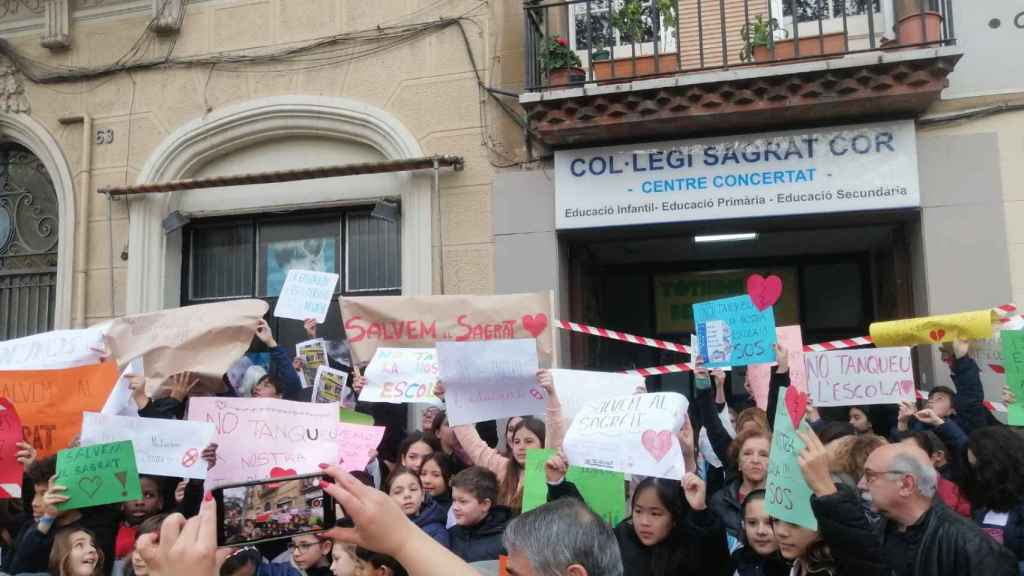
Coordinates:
[28,244]
[249,257]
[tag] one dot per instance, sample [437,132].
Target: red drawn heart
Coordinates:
[278,472]
[796,405]
[997,368]
[657,443]
[764,292]
[937,335]
[535,324]
[908,387]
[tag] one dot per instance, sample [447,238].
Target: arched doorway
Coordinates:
[29,239]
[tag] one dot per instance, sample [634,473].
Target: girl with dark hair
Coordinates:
[995,484]
[805,548]
[860,418]
[760,554]
[376,564]
[436,478]
[416,448]
[458,460]
[405,489]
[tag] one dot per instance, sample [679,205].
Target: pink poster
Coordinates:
[10,434]
[355,443]
[758,375]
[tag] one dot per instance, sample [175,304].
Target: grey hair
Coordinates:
[923,472]
[562,533]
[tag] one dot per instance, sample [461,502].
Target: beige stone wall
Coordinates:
[428,85]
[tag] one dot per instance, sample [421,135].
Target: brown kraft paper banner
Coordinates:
[205,339]
[420,321]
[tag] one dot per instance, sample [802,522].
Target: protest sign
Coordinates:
[10,434]
[51,402]
[97,475]
[787,495]
[420,321]
[576,388]
[205,338]
[858,377]
[401,375]
[734,332]
[120,401]
[350,416]
[934,329]
[759,375]
[603,491]
[260,438]
[676,293]
[989,356]
[490,380]
[162,447]
[632,434]
[329,386]
[1013,357]
[306,294]
[54,350]
[314,355]
[355,443]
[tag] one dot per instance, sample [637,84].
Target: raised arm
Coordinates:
[478,451]
[780,380]
[554,426]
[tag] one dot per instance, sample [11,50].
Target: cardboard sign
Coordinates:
[603,491]
[490,380]
[206,338]
[314,355]
[420,321]
[162,447]
[10,434]
[306,294]
[934,329]
[53,350]
[675,295]
[759,375]
[733,332]
[576,388]
[260,438]
[329,385]
[788,497]
[1013,357]
[97,475]
[402,375]
[858,377]
[51,402]
[355,443]
[632,434]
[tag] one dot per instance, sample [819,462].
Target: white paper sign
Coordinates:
[53,350]
[260,438]
[632,434]
[120,402]
[808,171]
[401,376]
[306,294]
[577,388]
[859,377]
[162,447]
[490,379]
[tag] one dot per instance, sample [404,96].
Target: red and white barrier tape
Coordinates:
[839,344]
[659,370]
[616,335]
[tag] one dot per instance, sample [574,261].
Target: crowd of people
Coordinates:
[930,488]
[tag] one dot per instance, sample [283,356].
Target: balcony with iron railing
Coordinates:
[605,70]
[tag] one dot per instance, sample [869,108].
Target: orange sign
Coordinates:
[51,402]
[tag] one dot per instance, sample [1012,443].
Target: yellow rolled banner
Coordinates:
[934,329]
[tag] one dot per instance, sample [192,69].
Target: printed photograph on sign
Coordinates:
[314,355]
[733,332]
[858,377]
[330,386]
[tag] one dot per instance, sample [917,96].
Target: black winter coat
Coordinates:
[483,541]
[700,528]
[750,563]
[726,505]
[844,526]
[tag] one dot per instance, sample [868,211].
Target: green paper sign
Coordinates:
[603,491]
[98,474]
[1013,360]
[353,417]
[788,497]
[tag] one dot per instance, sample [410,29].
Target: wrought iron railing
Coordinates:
[571,42]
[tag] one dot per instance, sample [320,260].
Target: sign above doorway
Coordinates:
[835,169]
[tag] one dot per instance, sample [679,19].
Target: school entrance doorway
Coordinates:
[840,273]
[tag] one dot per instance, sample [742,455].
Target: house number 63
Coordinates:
[105,136]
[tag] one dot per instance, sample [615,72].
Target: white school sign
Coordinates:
[834,169]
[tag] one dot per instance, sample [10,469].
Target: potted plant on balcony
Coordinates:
[560,63]
[635,20]
[910,14]
[758,37]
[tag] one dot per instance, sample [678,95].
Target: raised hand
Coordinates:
[1008,396]
[907,411]
[380,525]
[555,468]
[695,491]
[928,416]
[210,455]
[546,381]
[179,491]
[782,358]
[26,454]
[265,335]
[54,496]
[184,546]
[310,325]
[439,390]
[814,464]
[181,385]
[960,347]
[137,384]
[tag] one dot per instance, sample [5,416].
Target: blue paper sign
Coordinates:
[733,332]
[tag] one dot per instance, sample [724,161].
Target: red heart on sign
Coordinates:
[657,444]
[907,386]
[764,292]
[796,405]
[937,335]
[535,324]
[278,472]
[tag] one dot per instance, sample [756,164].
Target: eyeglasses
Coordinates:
[303,546]
[870,475]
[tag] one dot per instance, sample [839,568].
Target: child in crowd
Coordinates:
[135,564]
[436,477]
[344,561]
[479,522]
[136,512]
[760,554]
[74,553]
[310,555]
[405,488]
[416,448]
[376,564]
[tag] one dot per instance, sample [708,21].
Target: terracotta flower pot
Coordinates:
[563,76]
[824,45]
[909,30]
